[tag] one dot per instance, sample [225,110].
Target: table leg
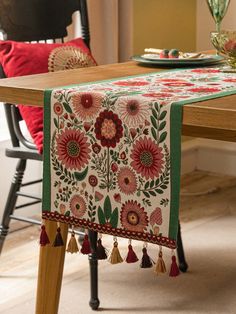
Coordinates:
[51,264]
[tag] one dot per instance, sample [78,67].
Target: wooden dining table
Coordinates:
[213,119]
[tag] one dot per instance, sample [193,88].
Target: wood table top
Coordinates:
[215,119]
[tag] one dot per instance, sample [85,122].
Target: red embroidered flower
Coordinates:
[204,90]
[133,217]
[126,180]
[93,181]
[108,128]
[72,149]
[58,108]
[78,206]
[131,83]
[87,105]
[178,84]
[205,70]
[147,158]
[114,167]
[230,80]
[156,217]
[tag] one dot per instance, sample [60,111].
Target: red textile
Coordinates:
[18,59]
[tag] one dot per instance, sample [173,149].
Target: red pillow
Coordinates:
[19,59]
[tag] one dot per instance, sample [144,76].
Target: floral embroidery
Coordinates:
[58,109]
[127,181]
[131,83]
[108,128]
[133,217]
[72,149]
[147,158]
[204,90]
[133,110]
[87,105]
[78,206]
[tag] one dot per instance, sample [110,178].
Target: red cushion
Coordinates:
[19,59]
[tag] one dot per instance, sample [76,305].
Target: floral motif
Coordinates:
[87,105]
[108,128]
[131,83]
[133,110]
[58,109]
[204,90]
[126,180]
[96,148]
[147,158]
[78,206]
[73,149]
[133,217]
[93,181]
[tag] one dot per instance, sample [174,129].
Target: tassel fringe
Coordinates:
[160,266]
[131,256]
[146,261]
[72,246]
[85,249]
[101,251]
[44,240]
[58,240]
[115,257]
[174,269]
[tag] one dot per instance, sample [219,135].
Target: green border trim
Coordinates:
[176,114]
[46,202]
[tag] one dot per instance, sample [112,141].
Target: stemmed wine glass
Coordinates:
[218,10]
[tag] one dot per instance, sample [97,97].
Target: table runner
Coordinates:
[112,151]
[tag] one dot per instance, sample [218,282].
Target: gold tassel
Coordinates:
[72,246]
[115,257]
[160,266]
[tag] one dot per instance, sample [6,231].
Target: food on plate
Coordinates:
[174,53]
[164,54]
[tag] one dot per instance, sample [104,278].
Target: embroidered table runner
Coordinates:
[112,151]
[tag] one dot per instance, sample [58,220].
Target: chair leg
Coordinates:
[183,266]
[51,264]
[11,200]
[93,263]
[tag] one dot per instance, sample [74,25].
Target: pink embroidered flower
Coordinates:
[230,80]
[108,128]
[204,90]
[72,149]
[58,108]
[131,83]
[133,217]
[156,217]
[178,84]
[158,95]
[77,206]
[114,167]
[147,158]
[96,148]
[87,105]
[126,180]
[133,110]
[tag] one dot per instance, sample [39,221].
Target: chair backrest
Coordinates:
[37,20]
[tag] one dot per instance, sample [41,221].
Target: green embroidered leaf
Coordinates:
[159,191]
[146,194]
[162,125]
[154,113]
[101,216]
[154,122]
[154,134]
[157,181]
[156,106]
[162,137]
[152,184]
[114,218]
[146,186]
[80,176]
[55,122]
[162,115]
[163,186]
[152,193]
[107,208]
[67,107]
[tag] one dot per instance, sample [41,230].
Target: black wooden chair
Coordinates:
[34,21]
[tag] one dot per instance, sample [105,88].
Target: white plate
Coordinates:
[187,56]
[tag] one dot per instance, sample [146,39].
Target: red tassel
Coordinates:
[131,256]
[85,249]
[174,269]
[101,251]
[44,240]
[146,262]
[58,240]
